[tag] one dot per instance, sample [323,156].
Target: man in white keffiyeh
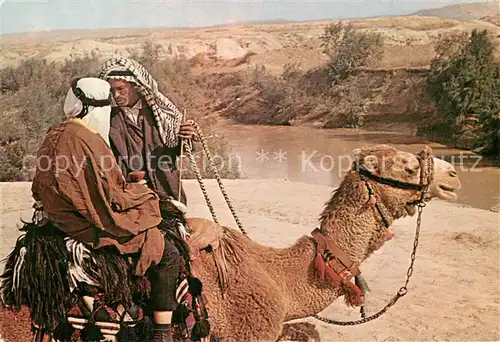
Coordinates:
[145,135]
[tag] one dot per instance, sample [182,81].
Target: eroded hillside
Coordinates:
[408,41]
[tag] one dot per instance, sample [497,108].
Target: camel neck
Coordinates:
[348,220]
[352,222]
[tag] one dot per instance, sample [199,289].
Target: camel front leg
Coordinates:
[300,331]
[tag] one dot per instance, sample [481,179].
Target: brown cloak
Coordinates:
[140,148]
[83,191]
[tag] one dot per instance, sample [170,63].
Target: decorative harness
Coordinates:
[334,263]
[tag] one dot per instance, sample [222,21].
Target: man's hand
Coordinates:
[187,130]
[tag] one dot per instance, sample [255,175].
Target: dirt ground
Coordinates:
[454,293]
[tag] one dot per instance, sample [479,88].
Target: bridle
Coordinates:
[388,181]
[426,162]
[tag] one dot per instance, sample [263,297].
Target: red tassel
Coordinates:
[372,200]
[352,294]
[334,277]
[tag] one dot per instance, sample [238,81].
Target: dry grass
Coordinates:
[413,23]
[463,12]
[405,56]
[493,19]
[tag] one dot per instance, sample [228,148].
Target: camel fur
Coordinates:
[267,287]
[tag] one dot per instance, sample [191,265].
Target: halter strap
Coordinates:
[392,182]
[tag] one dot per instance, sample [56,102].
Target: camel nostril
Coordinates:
[452,173]
[410,170]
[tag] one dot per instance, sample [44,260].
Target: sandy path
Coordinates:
[454,293]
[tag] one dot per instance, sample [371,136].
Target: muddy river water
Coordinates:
[323,156]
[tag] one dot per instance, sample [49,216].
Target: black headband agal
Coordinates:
[121,73]
[80,95]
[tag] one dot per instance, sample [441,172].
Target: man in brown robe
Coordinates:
[146,127]
[145,135]
[84,193]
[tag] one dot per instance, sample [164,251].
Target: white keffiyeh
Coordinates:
[167,115]
[96,117]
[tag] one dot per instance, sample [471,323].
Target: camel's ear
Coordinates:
[367,161]
[425,152]
[370,163]
[356,152]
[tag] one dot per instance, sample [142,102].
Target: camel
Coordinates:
[271,286]
[268,287]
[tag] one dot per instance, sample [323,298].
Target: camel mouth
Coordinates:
[446,188]
[446,192]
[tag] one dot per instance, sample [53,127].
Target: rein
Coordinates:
[426,163]
[199,178]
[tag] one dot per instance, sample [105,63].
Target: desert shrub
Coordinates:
[349,49]
[465,88]
[174,76]
[88,65]
[296,95]
[263,98]
[12,162]
[349,111]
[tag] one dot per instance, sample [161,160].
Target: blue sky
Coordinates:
[22,16]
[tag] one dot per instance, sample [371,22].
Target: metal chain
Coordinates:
[217,177]
[401,292]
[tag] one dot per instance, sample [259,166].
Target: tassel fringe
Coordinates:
[49,272]
[352,293]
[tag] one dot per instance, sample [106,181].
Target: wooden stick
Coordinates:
[180,160]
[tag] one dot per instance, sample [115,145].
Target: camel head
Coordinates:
[384,184]
[388,163]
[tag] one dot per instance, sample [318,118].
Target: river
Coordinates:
[323,156]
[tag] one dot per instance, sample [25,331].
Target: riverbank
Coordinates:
[453,294]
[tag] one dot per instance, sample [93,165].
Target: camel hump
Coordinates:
[204,233]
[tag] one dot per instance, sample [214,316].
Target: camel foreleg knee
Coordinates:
[300,331]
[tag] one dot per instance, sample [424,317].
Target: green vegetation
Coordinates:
[349,49]
[464,83]
[330,93]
